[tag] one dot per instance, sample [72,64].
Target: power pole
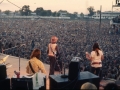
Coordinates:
[100,17]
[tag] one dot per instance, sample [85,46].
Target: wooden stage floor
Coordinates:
[14,61]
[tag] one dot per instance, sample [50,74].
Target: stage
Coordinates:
[14,61]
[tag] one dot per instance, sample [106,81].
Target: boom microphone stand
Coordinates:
[18,46]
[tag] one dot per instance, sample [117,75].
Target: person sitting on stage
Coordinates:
[34,64]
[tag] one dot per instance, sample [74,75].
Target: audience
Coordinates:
[111,86]
[20,36]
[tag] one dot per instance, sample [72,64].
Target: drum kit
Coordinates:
[3,60]
[3,67]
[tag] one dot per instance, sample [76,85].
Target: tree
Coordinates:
[57,14]
[39,11]
[49,13]
[25,10]
[7,12]
[91,10]
[98,11]
[81,15]
[44,13]
[54,14]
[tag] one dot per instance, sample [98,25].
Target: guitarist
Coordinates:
[52,53]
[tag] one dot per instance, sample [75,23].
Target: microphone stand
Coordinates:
[19,57]
[63,76]
[19,54]
[19,46]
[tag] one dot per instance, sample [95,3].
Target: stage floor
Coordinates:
[14,61]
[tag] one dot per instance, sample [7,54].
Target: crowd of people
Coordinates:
[20,36]
[116,19]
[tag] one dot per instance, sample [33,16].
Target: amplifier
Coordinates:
[5,84]
[74,69]
[3,73]
[21,83]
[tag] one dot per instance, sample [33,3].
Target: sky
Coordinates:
[56,5]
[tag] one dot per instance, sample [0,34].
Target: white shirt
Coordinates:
[96,58]
[52,46]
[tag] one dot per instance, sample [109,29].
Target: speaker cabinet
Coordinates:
[5,84]
[74,70]
[3,73]
[22,83]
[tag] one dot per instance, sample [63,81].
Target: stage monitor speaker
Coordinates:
[22,83]
[58,83]
[3,73]
[74,69]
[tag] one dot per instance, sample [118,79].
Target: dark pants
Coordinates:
[96,70]
[52,64]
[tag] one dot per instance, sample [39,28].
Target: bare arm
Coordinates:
[48,49]
[102,57]
[57,49]
[88,56]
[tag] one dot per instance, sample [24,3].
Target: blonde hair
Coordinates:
[88,85]
[54,39]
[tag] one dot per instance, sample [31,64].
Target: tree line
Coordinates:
[25,11]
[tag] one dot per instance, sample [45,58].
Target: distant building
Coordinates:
[33,14]
[17,13]
[106,15]
[63,13]
[2,14]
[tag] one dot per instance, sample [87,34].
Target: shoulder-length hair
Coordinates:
[96,48]
[35,53]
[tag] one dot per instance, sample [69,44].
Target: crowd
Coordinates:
[116,19]
[20,36]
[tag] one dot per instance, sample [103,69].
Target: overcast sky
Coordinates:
[55,5]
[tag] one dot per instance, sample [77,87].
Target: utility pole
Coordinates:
[100,17]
